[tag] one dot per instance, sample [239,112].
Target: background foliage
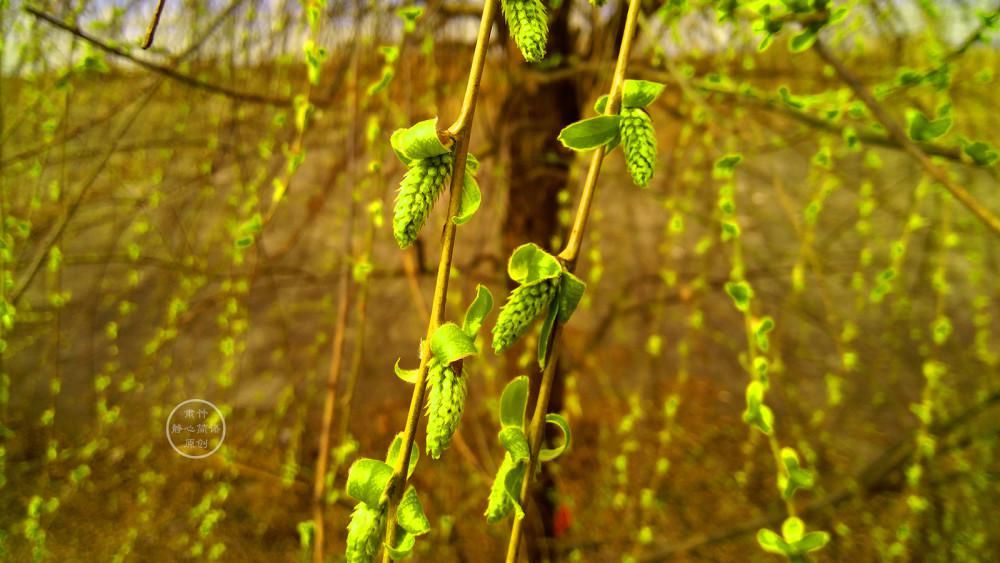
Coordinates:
[184,222]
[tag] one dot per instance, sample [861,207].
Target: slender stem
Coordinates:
[337,346]
[569,256]
[896,132]
[151,30]
[461,132]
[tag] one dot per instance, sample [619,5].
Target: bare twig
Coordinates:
[147,42]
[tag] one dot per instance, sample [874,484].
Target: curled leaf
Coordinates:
[548,454]
[366,480]
[419,141]
[477,311]
[529,264]
[570,293]
[407,375]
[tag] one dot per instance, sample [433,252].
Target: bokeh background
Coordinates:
[209,219]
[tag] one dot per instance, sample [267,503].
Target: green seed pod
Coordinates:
[529,26]
[364,533]
[523,305]
[445,403]
[418,191]
[500,504]
[639,144]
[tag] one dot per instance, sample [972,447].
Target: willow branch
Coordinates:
[568,257]
[461,132]
[168,72]
[896,132]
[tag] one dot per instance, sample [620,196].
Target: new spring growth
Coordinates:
[633,128]
[506,488]
[529,27]
[542,282]
[429,165]
[367,482]
[794,543]
[450,345]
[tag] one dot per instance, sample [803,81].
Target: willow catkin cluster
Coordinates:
[529,26]
[639,144]
[364,533]
[420,188]
[523,305]
[500,504]
[445,403]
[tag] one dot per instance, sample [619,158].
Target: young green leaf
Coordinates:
[802,40]
[472,198]
[640,93]
[529,264]
[450,343]
[922,129]
[477,311]
[410,514]
[419,141]
[590,133]
[366,480]
[545,336]
[513,439]
[407,375]
[393,453]
[405,543]
[570,293]
[981,153]
[741,293]
[514,402]
[772,542]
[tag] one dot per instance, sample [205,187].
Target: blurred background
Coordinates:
[209,219]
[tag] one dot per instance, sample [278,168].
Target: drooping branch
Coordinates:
[896,132]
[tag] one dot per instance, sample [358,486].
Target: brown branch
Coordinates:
[896,132]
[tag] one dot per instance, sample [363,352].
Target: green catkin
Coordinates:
[418,191]
[523,305]
[500,503]
[445,403]
[364,533]
[529,26]
[639,144]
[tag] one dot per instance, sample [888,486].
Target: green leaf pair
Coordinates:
[757,414]
[543,282]
[794,477]
[920,128]
[368,481]
[793,542]
[633,128]
[429,165]
[506,489]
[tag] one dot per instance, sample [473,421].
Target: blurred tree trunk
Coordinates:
[539,170]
